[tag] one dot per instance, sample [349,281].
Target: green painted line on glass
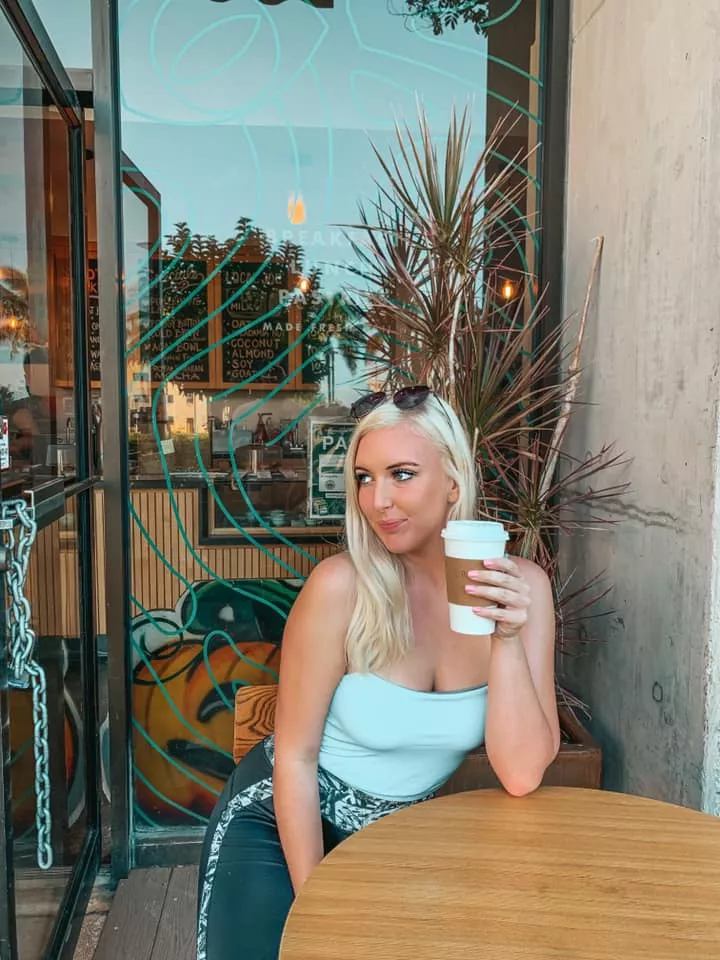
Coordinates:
[139,812]
[21,751]
[533,233]
[198,559]
[469,5]
[515,166]
[249,380]
[248,107]
[205,320]
[231,585]
[172,761]
[179,258]
[512,322]
[168,566]
[213,346]
[241,656]
[489,57]
[378,124]
[238,479]
[161,796]
[514,105]
[171,703]
[229,517]
[228,257]
[261,523]
[215,25]
[17,98]
[503,16]
[181,528]
[274,311]
[283,383]
[516,244]
[306,411]
[268,366]
[19,801]
[429,66]
[148,614]
[241,488]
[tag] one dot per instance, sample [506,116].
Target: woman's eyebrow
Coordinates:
[390,466]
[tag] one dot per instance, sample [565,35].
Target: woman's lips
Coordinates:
[390,526]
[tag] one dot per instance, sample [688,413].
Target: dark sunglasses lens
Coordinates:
[362,407]
[410,397]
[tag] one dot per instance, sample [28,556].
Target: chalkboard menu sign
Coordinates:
[245,354]
[182,301]
[93,320]
[313,343]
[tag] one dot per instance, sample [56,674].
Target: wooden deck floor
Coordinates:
[152,917]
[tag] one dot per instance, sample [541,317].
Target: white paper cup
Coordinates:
[466,543]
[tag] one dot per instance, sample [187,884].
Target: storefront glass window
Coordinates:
[36,333]
[250,127]
[38,446]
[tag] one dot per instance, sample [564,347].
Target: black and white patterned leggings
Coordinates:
[245,891]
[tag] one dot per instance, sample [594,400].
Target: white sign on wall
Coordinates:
[4,444]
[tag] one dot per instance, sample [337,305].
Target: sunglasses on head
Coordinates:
[407,398]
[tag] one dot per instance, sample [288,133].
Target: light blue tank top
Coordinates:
[397,743]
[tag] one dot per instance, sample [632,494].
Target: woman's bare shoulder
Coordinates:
[334,573]
[332,581]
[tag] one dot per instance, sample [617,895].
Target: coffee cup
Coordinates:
[467,544]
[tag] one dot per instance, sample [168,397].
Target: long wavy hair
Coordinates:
[380,631]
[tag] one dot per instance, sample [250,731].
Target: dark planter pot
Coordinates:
[578,763]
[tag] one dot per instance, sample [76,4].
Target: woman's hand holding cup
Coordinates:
[500,583]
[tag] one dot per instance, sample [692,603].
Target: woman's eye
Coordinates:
[402,475]
[362,478]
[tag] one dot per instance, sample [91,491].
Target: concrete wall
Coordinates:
[644,171]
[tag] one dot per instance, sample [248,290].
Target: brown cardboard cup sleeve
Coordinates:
[456,575]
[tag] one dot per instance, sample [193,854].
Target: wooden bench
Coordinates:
[578,764]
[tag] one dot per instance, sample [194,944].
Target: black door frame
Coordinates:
[40,52]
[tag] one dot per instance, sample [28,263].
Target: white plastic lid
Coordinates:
[475,530]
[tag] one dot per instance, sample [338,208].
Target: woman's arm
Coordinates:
[313,662]
[522,733]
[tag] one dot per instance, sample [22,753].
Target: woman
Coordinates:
[378,700]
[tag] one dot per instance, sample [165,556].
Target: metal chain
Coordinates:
[23,668]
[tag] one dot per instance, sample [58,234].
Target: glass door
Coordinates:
[254,124]
[49,461]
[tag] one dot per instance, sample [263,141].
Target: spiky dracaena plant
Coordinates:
[430,250]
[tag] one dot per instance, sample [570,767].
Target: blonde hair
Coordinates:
[380,630]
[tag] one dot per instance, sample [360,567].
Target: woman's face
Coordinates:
[403,489]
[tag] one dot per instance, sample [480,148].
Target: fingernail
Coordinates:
[474,573]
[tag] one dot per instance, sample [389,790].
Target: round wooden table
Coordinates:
[563,873]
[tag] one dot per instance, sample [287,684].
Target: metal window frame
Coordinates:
[40,52]
[116,480]
[8,929]
[555,57]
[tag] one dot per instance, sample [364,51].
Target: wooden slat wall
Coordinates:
[172,533]
[47,583]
